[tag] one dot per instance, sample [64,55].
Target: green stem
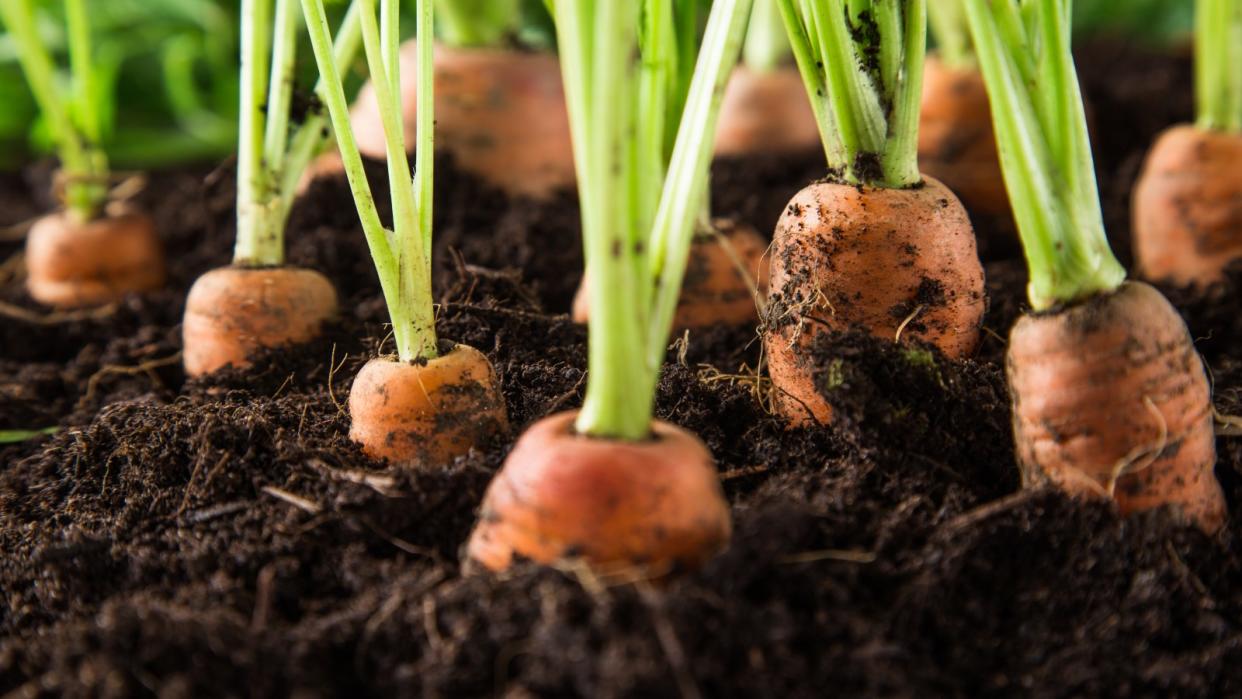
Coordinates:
[767,46]
[425,123]
[811,67]
[1045,153]
[401,259]
[1218,64]
[253,183]
[900,158]
[478,23]
[686,189]
[947,21]
[83,164]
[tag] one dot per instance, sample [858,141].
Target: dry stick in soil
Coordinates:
[1188,199]
[725,279]
[86,254]
[500,110]
[259,301]
[874,240]
[1110,398]
[956,143]
[608,485]
[425,406]
[765,108]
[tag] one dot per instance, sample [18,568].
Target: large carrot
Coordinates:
[956,142]
[500,111]
[259,301]
[875,245]
[86,254]
[425,406]
[765,109]
[1109,397]
[608,484]
[1188,200]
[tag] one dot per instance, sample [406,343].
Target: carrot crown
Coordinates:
[1218,64]
[947,21]
[402,255]
[270,159]
[624,66]
[862,61]
[75,116]
[1041,131]
[767,46]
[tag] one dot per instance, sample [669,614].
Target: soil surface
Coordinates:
[222,536]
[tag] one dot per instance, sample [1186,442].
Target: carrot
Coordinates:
[1188,201]
[765,109]
[82,255]
[609,485]
[260,302]
[724,273]
[500,113]
[71,263]
[426,412]
[563,495]
[899,263]
[956,142]
[233,312]
[877,245]
[1110,399]
[421,408]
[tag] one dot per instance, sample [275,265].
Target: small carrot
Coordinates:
[423,407]
[1188,200]
[725,272]
[500,112]
[83,255]
[765,109]
[876,245]
[608,485]
[1110,399]
[956,142]
[259,301]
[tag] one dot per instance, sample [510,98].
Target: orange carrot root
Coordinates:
[766,112]
[71,264]
[899,263]
[233,312]
[717,288]
[655,505]
[1188,207]
[956,143]
[500,113]
[1110,398]
[428,413]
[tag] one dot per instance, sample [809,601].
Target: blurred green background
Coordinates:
[169,70]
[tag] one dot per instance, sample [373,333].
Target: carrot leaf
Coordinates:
[1218,64]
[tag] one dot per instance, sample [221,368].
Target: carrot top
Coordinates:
[1218,64]
[478,22]
[643,125]
[75,116]
[402,255]
[862,61]
[1041,130]
[767,46]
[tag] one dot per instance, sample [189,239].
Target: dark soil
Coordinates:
[223,536]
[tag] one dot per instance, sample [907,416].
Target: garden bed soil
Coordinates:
[222,536]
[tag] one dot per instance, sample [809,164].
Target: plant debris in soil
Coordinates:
[222,536]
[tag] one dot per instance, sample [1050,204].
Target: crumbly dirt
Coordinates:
[222,536]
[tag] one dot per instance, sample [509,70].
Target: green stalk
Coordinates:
[947,21]
[478,23]
[1218,64]
[636,258]
[767,47]
[253,245]
[401,256]
[862,62]
[1023,48]
[83,163]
